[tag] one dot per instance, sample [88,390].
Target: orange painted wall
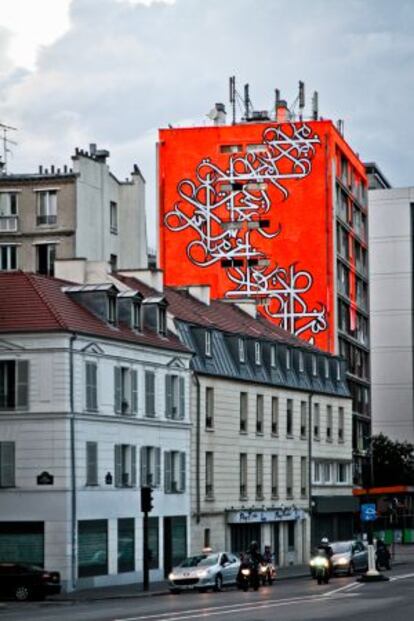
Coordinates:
[304,217]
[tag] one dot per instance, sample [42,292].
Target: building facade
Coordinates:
[82,212]
[94,403]
[275,212]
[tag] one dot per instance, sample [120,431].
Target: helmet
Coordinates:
[254,545]
[325,540]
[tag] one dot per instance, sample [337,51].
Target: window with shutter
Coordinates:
[133,466]
[23,384]
[14,384]
[7,464]
[167,472]
[118,465]
[91,386]
[134,391]
[182,472]
[91,463]
[144,465]
[182,398]
[117,390]
[168,396]
[157,467]
[149,393]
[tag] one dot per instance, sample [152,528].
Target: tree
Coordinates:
[393,462]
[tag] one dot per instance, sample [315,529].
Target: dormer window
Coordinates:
[207,343]
[162,320]
[112,309]
[242,355]
[314,365]
[257,353]
[136,312]
[272,356]
[326,368]
[301,362]
[288,359]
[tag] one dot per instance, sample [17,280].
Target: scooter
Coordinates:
[247,576]
[320,569]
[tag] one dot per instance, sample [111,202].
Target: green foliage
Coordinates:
[393,462]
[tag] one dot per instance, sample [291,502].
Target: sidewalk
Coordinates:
[156,588]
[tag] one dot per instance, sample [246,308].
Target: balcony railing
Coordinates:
[8,224]
[46,220]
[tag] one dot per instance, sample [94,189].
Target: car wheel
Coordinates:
[22,593]
[351,569]
[218,583]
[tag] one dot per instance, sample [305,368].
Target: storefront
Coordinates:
[22,542]
[284,529]
[333,517]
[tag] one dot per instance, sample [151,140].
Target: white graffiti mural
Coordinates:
[228,211]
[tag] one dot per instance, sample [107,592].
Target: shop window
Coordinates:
[153,543]
[126,545]
[22,542]
[92,548]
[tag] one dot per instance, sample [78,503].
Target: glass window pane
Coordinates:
[126,545]
[22,542]
[153,543]
[93,548]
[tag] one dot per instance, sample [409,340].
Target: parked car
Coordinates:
[27,581]
[349,557]
[204,571]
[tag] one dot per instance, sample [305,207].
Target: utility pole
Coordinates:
[6,142]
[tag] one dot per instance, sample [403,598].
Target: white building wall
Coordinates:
[391,308]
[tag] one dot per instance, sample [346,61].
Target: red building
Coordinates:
[274,212]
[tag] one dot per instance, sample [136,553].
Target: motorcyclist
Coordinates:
[267,555]
[383,555]
[255,559]
[324,549]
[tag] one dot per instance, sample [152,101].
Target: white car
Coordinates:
[204,571]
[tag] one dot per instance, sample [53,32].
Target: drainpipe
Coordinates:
[72,462]
[197,443]
[310,436]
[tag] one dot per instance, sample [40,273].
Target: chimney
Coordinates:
[282,111]
[52,169]
[220,114]
[40,169]
[92,148]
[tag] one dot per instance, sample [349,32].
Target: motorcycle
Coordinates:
[267,572]
[248,576]
[320,569]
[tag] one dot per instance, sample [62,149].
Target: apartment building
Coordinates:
[79,212]
[94,403]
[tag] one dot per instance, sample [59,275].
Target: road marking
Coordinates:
[230,608]
[403,577]
[347,587]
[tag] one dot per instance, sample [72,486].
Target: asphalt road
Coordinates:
[291,600]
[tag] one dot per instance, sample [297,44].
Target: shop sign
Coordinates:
[270,515]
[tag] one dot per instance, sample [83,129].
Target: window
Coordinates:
[243,476]
[338,371]
[272,356]
[91,463]
[91,386]
[329,423]
[288,359]
[275,416]
[113,216]
[342,470]
[7,464]
[46,207]
[162,320]
[125,465]
[150,394]
[326,368]
[92,548]
[289,418]
[14,384]
[153,542]
[341,425]
[150,466]
[317,472]
[23,542]
[289,476]
[126,545]
[8,211]
[45,259]
[243,412]
[126,390]
[174,397]
[275,476]
[259,414]
[314,365]
[303,414]
[316,421]
[242,355]
[8,258]
[327,472]
[303,477]
[209,475]
[174,472]
[257,353]
[259,477]
[136,311]
[112,309]
[301,362]
[209,407]
[207,343]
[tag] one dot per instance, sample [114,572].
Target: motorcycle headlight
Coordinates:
[262,569]
[245,572]
[312,562]
[321,562]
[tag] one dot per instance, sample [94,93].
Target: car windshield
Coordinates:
[211,559]
[341,547]
[193,561]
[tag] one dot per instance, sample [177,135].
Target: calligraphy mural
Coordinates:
[231,218]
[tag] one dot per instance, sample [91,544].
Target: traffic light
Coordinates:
[146,499]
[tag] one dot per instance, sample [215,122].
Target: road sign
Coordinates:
[368,512]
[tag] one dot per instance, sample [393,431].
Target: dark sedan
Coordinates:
[27,582]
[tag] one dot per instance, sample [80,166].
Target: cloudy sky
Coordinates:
[113,71]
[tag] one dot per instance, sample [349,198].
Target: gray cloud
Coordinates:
[122,70]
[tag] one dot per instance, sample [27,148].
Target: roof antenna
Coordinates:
[315,106]
[6,143]
[247,102]
[232,84]
[277,99]
[301,98]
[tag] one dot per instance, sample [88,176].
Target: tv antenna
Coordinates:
[6,142]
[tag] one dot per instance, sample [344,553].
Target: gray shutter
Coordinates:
[149,393]
[133,466]
[134,391]
[144,465]
[118,465]
[157,481]
[7,464]
[182,472]
[91,463]
[22,392]
[118,389]
[182,398]
[168,396]
[167,472]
